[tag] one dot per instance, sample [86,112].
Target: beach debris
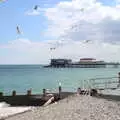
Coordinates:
[49,101]
[50,94]
[87,41]
[93,92]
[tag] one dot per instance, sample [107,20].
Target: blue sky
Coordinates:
[12,13]
[97,24]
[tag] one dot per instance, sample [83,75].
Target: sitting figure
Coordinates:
[79,91]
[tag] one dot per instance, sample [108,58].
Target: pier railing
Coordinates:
[104,83]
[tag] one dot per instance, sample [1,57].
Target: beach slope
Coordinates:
[74,108]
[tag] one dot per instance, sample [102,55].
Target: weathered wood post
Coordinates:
[1,94]
[119,77]
[44,92]
[29,92]
[60,90]
[13,93]
[118,80]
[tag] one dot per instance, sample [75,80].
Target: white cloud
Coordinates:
[24,51]
[69,26]
[96,22]
[32,13]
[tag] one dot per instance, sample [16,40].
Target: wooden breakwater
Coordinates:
[32,99]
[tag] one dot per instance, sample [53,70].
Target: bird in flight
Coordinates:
[87,41]
[52,48]
[35,7]
[18,30]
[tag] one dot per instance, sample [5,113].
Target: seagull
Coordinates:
[87,41]
[52,48]
[36,7]
[18,30]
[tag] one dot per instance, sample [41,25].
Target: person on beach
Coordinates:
[78,91]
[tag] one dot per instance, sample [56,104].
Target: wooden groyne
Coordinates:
[33,99]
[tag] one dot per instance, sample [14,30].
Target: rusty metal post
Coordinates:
[13,93]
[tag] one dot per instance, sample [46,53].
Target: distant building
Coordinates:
[60,62]
[87,60]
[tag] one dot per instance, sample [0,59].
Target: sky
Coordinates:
[65,25]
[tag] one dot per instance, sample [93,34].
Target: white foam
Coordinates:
[4,104]
[6,110]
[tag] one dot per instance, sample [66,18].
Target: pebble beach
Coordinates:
[76,107]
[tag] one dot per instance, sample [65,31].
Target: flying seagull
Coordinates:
[18,30]
[35,7]
[87,41]
[53,48]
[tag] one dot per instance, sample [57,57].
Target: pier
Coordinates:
[83,63]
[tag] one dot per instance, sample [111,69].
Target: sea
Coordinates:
[35,77]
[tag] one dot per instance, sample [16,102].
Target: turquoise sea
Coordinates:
[24,77]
